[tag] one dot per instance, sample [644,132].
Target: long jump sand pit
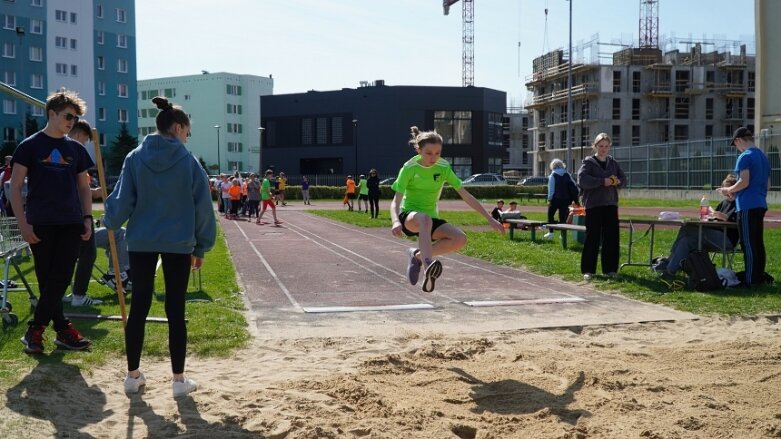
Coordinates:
[697,378]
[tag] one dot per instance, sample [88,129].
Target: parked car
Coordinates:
[388,181]
[534,181]
[484,180]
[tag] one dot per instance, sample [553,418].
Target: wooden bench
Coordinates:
[529,197]
[531,225]
[564,228]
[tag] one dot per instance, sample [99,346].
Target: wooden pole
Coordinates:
[111,239]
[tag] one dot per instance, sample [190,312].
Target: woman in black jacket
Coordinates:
[373,183]
[599,178]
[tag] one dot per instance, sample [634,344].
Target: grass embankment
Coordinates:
[216,323]
[547,257]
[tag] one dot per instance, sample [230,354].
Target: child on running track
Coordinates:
[266,199]
[235,195]
[414,210]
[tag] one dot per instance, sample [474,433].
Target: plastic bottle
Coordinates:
[704,208]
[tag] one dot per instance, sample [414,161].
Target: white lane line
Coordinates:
[483,303]
[331,309]
[269,269]
[342,255]
[296,229]
[515,279]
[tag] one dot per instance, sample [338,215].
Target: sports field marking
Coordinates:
[396,241]
[332,309]
[270,270]
[341,253]
[553,300]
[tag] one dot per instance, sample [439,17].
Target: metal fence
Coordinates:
[690,164]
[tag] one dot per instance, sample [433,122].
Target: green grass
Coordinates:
[217,309]
[548,258]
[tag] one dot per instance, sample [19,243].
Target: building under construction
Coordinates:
[639,95]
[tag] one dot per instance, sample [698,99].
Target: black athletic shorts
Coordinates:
[435,222]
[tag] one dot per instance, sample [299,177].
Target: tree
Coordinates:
[203,165]
[120,147]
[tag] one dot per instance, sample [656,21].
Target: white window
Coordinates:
[101,63]
[234,128]
[9,106]
[99,37]
[61,69]
[121,40]
[36,53]
[122,90]
[234,109]
[121,17]
[36,26]
[60,42]
[60,15]
[9,134]
[101,88]
[234,89]
[10,22]
[36,80]
[38,3]
[122,115]
[101,113]
[9,51]
[74,70]
[122,65]
[73,43]
[235,166]
[37,111]
[9,78]
[73,17]
[100,11]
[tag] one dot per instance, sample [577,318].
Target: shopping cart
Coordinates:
[12,247]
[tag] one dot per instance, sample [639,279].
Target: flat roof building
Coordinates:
[225,100]
[353,130]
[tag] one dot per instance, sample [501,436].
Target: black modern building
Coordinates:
[352,130]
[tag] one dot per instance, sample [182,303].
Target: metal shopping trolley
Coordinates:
[12,247]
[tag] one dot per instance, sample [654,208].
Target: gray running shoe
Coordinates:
[413,266]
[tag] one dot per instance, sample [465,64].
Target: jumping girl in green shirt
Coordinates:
[414,210]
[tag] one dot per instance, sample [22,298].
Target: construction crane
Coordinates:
[468,56]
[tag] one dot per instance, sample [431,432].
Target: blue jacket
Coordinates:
[163,194]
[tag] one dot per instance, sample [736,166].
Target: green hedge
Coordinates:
[448,193]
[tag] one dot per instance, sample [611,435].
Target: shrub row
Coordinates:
[448,193]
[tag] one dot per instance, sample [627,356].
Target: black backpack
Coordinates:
[701,271]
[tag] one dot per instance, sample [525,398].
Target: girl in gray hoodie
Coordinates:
[163,194]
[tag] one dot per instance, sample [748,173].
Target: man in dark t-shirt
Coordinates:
[57,215]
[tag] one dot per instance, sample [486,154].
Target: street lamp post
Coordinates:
[355,144]
[219,165]
[260,150]
[570,165]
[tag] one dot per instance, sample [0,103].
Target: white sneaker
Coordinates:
[84,300]
[548,235]
[587,276]
[133,385]
[67,298]
[182,388]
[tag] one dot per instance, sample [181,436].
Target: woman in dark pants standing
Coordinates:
[163,194]
[373,183]
[599,177]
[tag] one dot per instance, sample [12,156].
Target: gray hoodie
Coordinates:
[163,194]
[591,179]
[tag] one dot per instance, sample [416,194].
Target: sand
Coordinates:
[710,378]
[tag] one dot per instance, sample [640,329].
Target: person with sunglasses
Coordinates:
[57,215]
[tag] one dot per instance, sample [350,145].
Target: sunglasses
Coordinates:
[69,117]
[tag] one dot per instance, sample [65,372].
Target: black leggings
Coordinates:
[374,203]
[560,206]
[176,270]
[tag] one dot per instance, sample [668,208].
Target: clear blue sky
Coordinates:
[330,44]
